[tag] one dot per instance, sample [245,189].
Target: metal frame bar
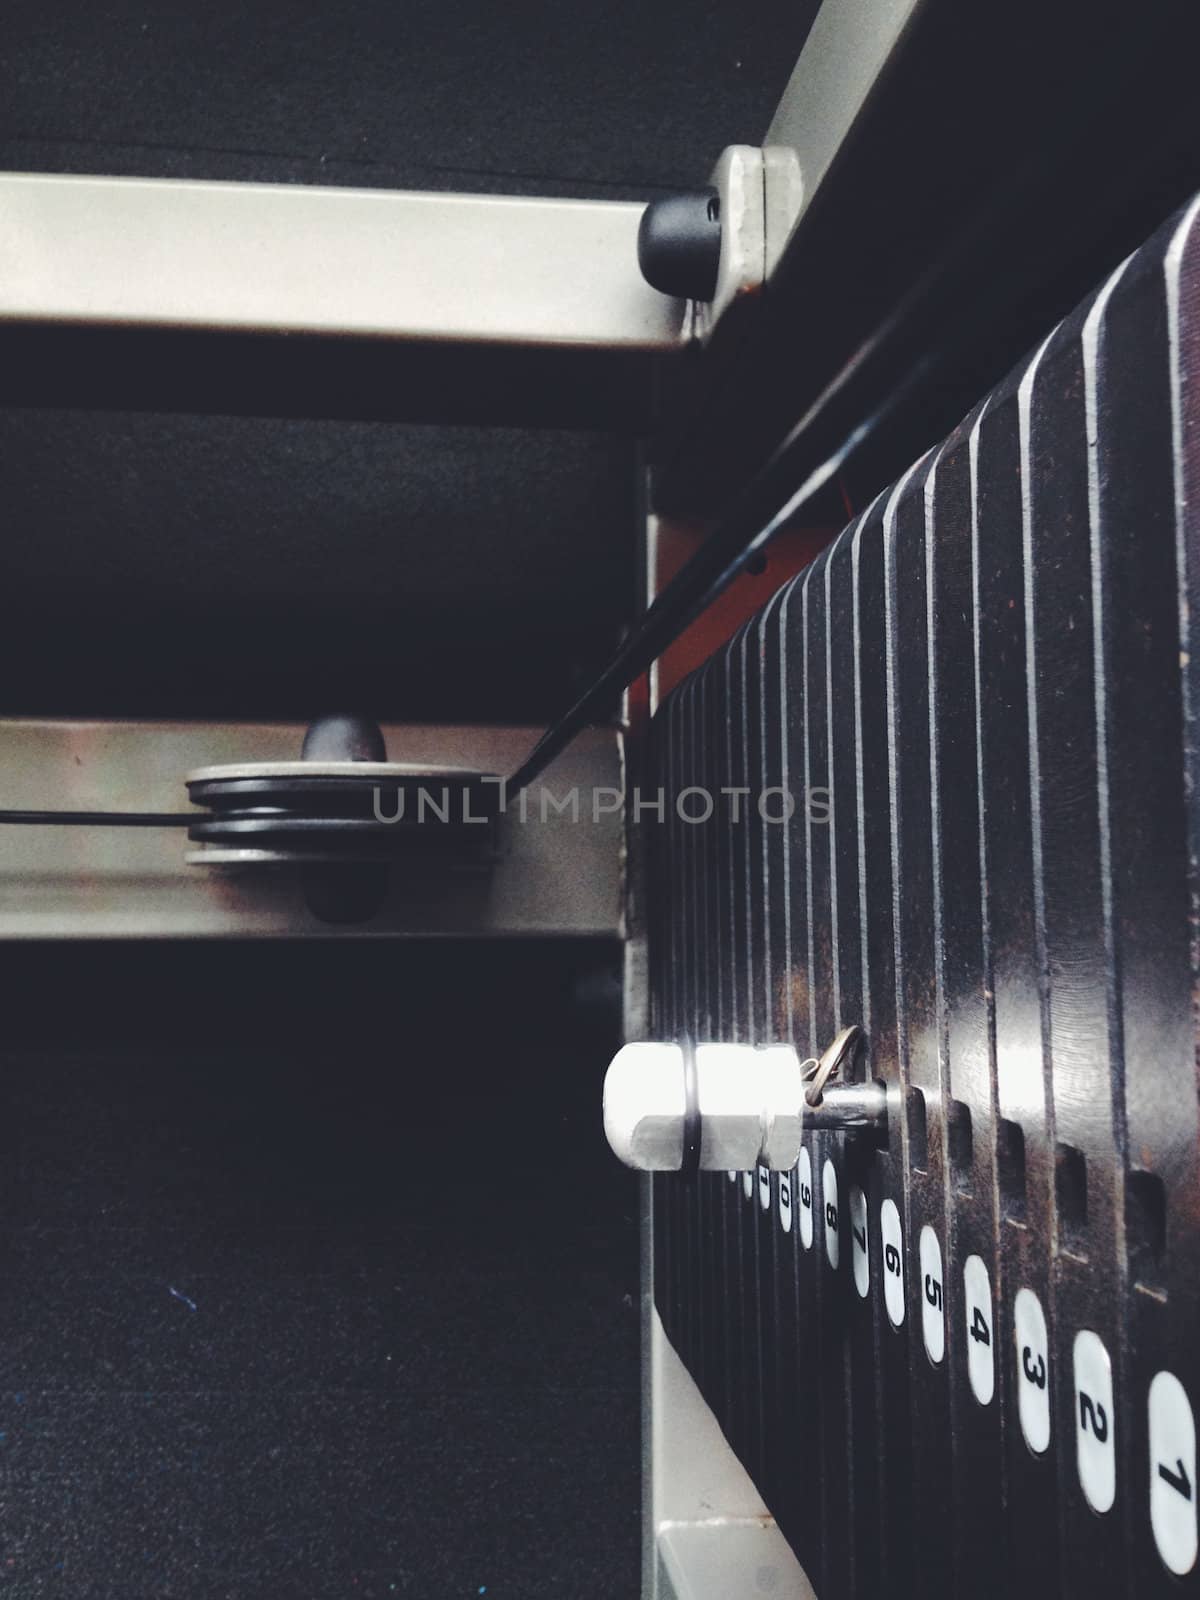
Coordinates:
[554,875]
[262,258]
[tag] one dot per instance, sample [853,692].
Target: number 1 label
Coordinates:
[1173,1474]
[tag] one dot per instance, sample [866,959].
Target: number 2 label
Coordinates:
[1095,1445]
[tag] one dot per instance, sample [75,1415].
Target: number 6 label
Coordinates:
[805,1196]
[893,1262]
[1095,1444]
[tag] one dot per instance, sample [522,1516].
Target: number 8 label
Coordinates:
[829,1189]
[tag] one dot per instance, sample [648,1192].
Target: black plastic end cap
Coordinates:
[344,739]
[679,244]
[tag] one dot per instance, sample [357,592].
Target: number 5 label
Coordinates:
[933,1310]
[1095,1442]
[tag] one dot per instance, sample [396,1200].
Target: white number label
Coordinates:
[981,1356]
[785,1201]
[1095,1422]
[764,1188]
[933,1296]
[747,1184]
[858,1233]
[733,1177]
[893,1262]
[829,1193]
[1033,1369]
[1173,1473]
[805,1196]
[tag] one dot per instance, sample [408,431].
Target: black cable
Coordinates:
[103,819]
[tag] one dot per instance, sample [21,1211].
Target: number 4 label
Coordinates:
[981,1354]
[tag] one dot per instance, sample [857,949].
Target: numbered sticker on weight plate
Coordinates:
[1033,1369]
[858,1236]
[892,1238]
[764,1188]
[1095,1421]
[785,1201]
[933,1296]
[748,1184]
[829,1198]
[1173,1473]
[981,1353]
[804,1197]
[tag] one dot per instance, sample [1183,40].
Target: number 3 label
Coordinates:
[1095,1445]
[1033,1369]
[981,1355]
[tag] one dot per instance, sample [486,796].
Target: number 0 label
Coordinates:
[785,1201]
